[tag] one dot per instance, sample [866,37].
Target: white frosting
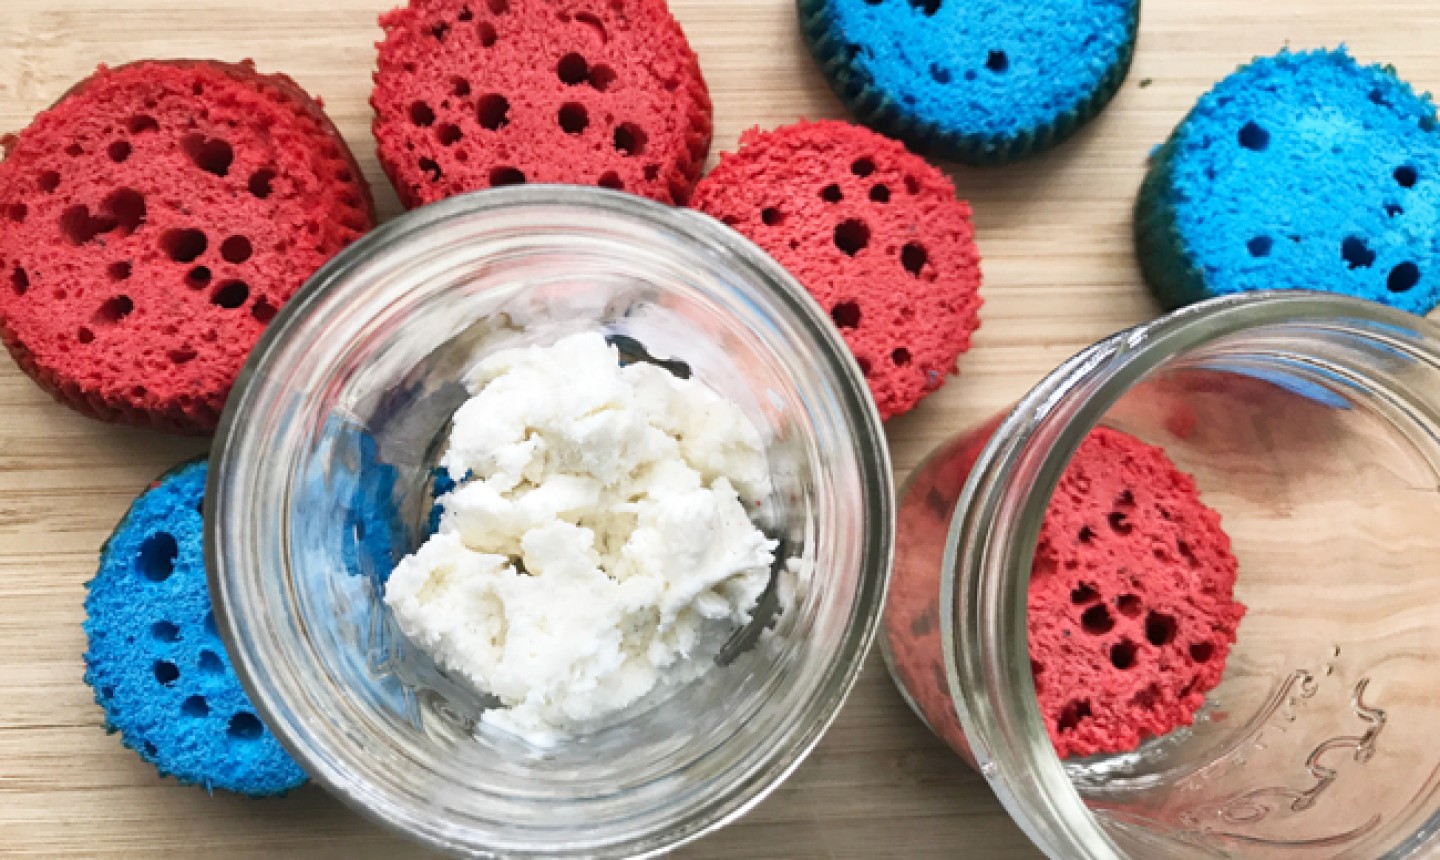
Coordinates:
[597,546]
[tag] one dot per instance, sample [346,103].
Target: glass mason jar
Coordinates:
[322,477]
[1311,423]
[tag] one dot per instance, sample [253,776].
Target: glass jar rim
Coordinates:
[997,521]
[682,232]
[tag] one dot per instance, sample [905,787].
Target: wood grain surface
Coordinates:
[1059,274]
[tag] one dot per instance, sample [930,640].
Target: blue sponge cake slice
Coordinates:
[1299,171]
[155,662]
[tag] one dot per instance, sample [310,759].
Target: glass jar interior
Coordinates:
[1312,425]
[330,479]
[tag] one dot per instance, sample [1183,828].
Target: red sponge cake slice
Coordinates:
[1132,608]
[873,232]
[153,221]
[473,94]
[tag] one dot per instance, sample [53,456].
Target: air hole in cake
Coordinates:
[1097,620]
[832,194]
[196,707]
[422,114]
[970,75]
[183,246]
[127,207]
[236,249]
[1260,246]
[572,69]
[1403,277]
[1201,652]
[913,258]
[574,118]
[230,294]
[851,236]
[939,74]
[465,16]
[245,726]
[164,631]
[74,150]
[141,123]
[846,315]
[211,629]
[912,185]
[79,226]
[880,194]
[49,181]
[498,7]
[864,366]
[592,21]
[430,168]
[997,61]
[118,271]
[862,167]
[459,87]
[486,31]
[1356,253]
[1072,715]
[210,663]
[1085,535]
[166,673]
[20,281]
[630,139]
[448,134]
[1129,605]
[151,750]
[113,311]
[652,172]
[901,357]
[601,77]
[1394,210]
[501,176]
[260,183]
[1254,138]
[118,151]
[198,277]
[1122,654]
[1120,523]
[1159,629]
[929,7]
[182,356]
[211,155]
[439,31]
[1083,594]
[1407,176]
[262,311]
[17,212]
[610,179]
[493,111]
[85,335]
[771,217]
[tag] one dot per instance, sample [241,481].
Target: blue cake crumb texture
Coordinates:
[155,661]
[986,67]
[1307,170]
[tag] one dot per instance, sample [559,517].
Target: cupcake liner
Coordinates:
[873,107]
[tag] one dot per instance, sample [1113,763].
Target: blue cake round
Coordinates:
[1299,171]
[155,662]
[976,81]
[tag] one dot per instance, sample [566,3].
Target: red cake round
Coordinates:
[474,94]
[1132,608]
[153,221]
[873,232]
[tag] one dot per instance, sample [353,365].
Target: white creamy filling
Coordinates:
[597,546]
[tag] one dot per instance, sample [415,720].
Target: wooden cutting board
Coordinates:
[1059,274]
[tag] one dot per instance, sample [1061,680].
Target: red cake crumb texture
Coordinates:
[152,223]
[1132,609]
[873,232]
[474,94]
